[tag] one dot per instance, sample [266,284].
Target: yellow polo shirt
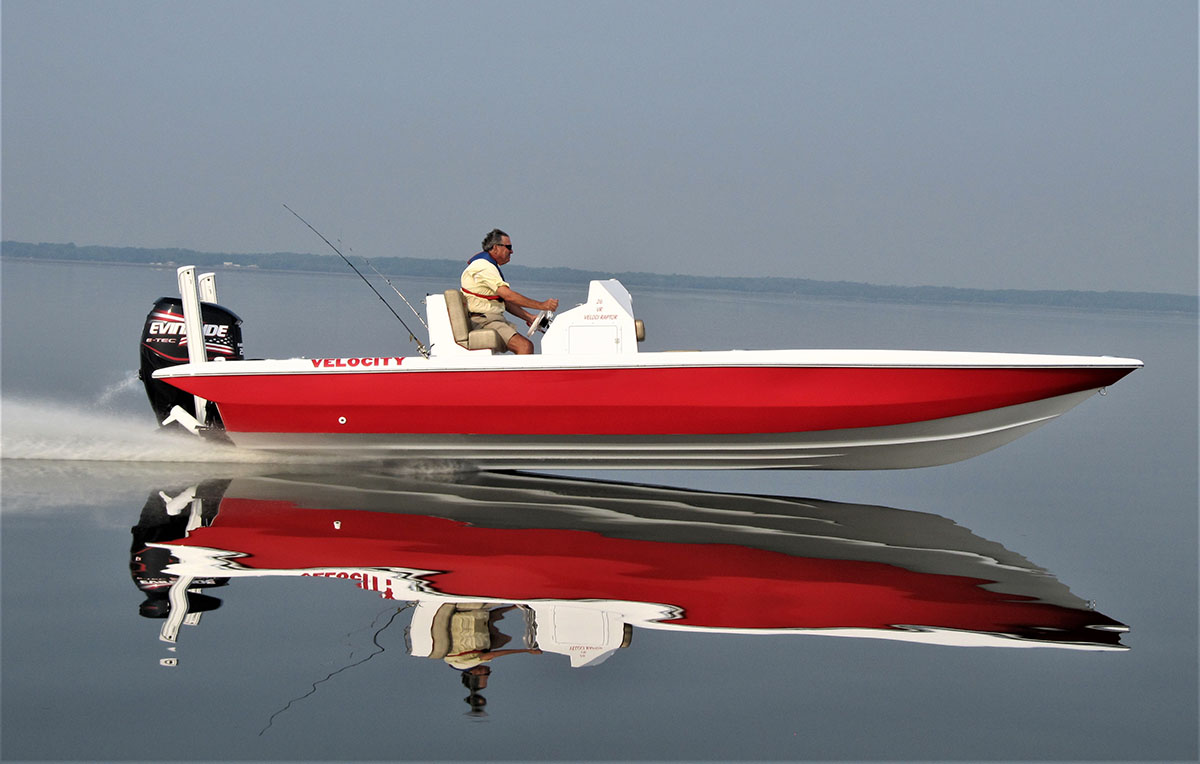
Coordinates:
[481,277]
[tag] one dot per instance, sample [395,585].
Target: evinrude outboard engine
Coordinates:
[164,343]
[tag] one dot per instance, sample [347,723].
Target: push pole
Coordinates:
[208,287]
[193,326]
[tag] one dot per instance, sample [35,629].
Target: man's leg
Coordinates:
[520,345]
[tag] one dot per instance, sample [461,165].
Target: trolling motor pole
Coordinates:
[420,346]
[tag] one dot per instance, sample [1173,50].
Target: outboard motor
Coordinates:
[164,343]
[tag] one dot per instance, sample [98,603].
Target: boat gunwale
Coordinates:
[699,359]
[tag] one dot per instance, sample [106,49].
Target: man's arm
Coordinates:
[520,313]
[515,303]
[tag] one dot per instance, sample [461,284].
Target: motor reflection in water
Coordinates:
[500,564]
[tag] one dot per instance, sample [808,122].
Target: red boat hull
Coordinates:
[763,409]
[632,401]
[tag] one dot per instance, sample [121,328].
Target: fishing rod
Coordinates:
[420,347]
[393,286]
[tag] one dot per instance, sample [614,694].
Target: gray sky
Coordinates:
[1043,145]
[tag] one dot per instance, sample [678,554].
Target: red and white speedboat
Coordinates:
[591,400]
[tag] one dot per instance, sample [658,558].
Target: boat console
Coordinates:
[604,325]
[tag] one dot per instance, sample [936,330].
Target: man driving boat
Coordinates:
[489,295]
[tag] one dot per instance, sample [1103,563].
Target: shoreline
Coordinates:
[1158,303]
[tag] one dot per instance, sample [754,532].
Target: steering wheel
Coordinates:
[540,322]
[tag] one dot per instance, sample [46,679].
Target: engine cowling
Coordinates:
[164,343]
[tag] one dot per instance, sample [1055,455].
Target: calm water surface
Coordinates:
[167,600]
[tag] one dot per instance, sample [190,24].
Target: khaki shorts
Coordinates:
[496,323]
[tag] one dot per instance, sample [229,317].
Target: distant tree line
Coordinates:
[450,269]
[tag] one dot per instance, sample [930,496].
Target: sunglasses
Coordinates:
[509,247]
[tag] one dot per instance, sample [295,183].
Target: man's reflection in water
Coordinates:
[475,679]
[467,636]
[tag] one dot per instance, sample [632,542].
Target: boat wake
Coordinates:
[43,436]
[129,385]
[56,454]
[52,430]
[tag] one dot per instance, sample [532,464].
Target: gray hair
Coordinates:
[492,239]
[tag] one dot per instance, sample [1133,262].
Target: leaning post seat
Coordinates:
[460,324]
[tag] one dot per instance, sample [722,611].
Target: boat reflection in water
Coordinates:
[502,563]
